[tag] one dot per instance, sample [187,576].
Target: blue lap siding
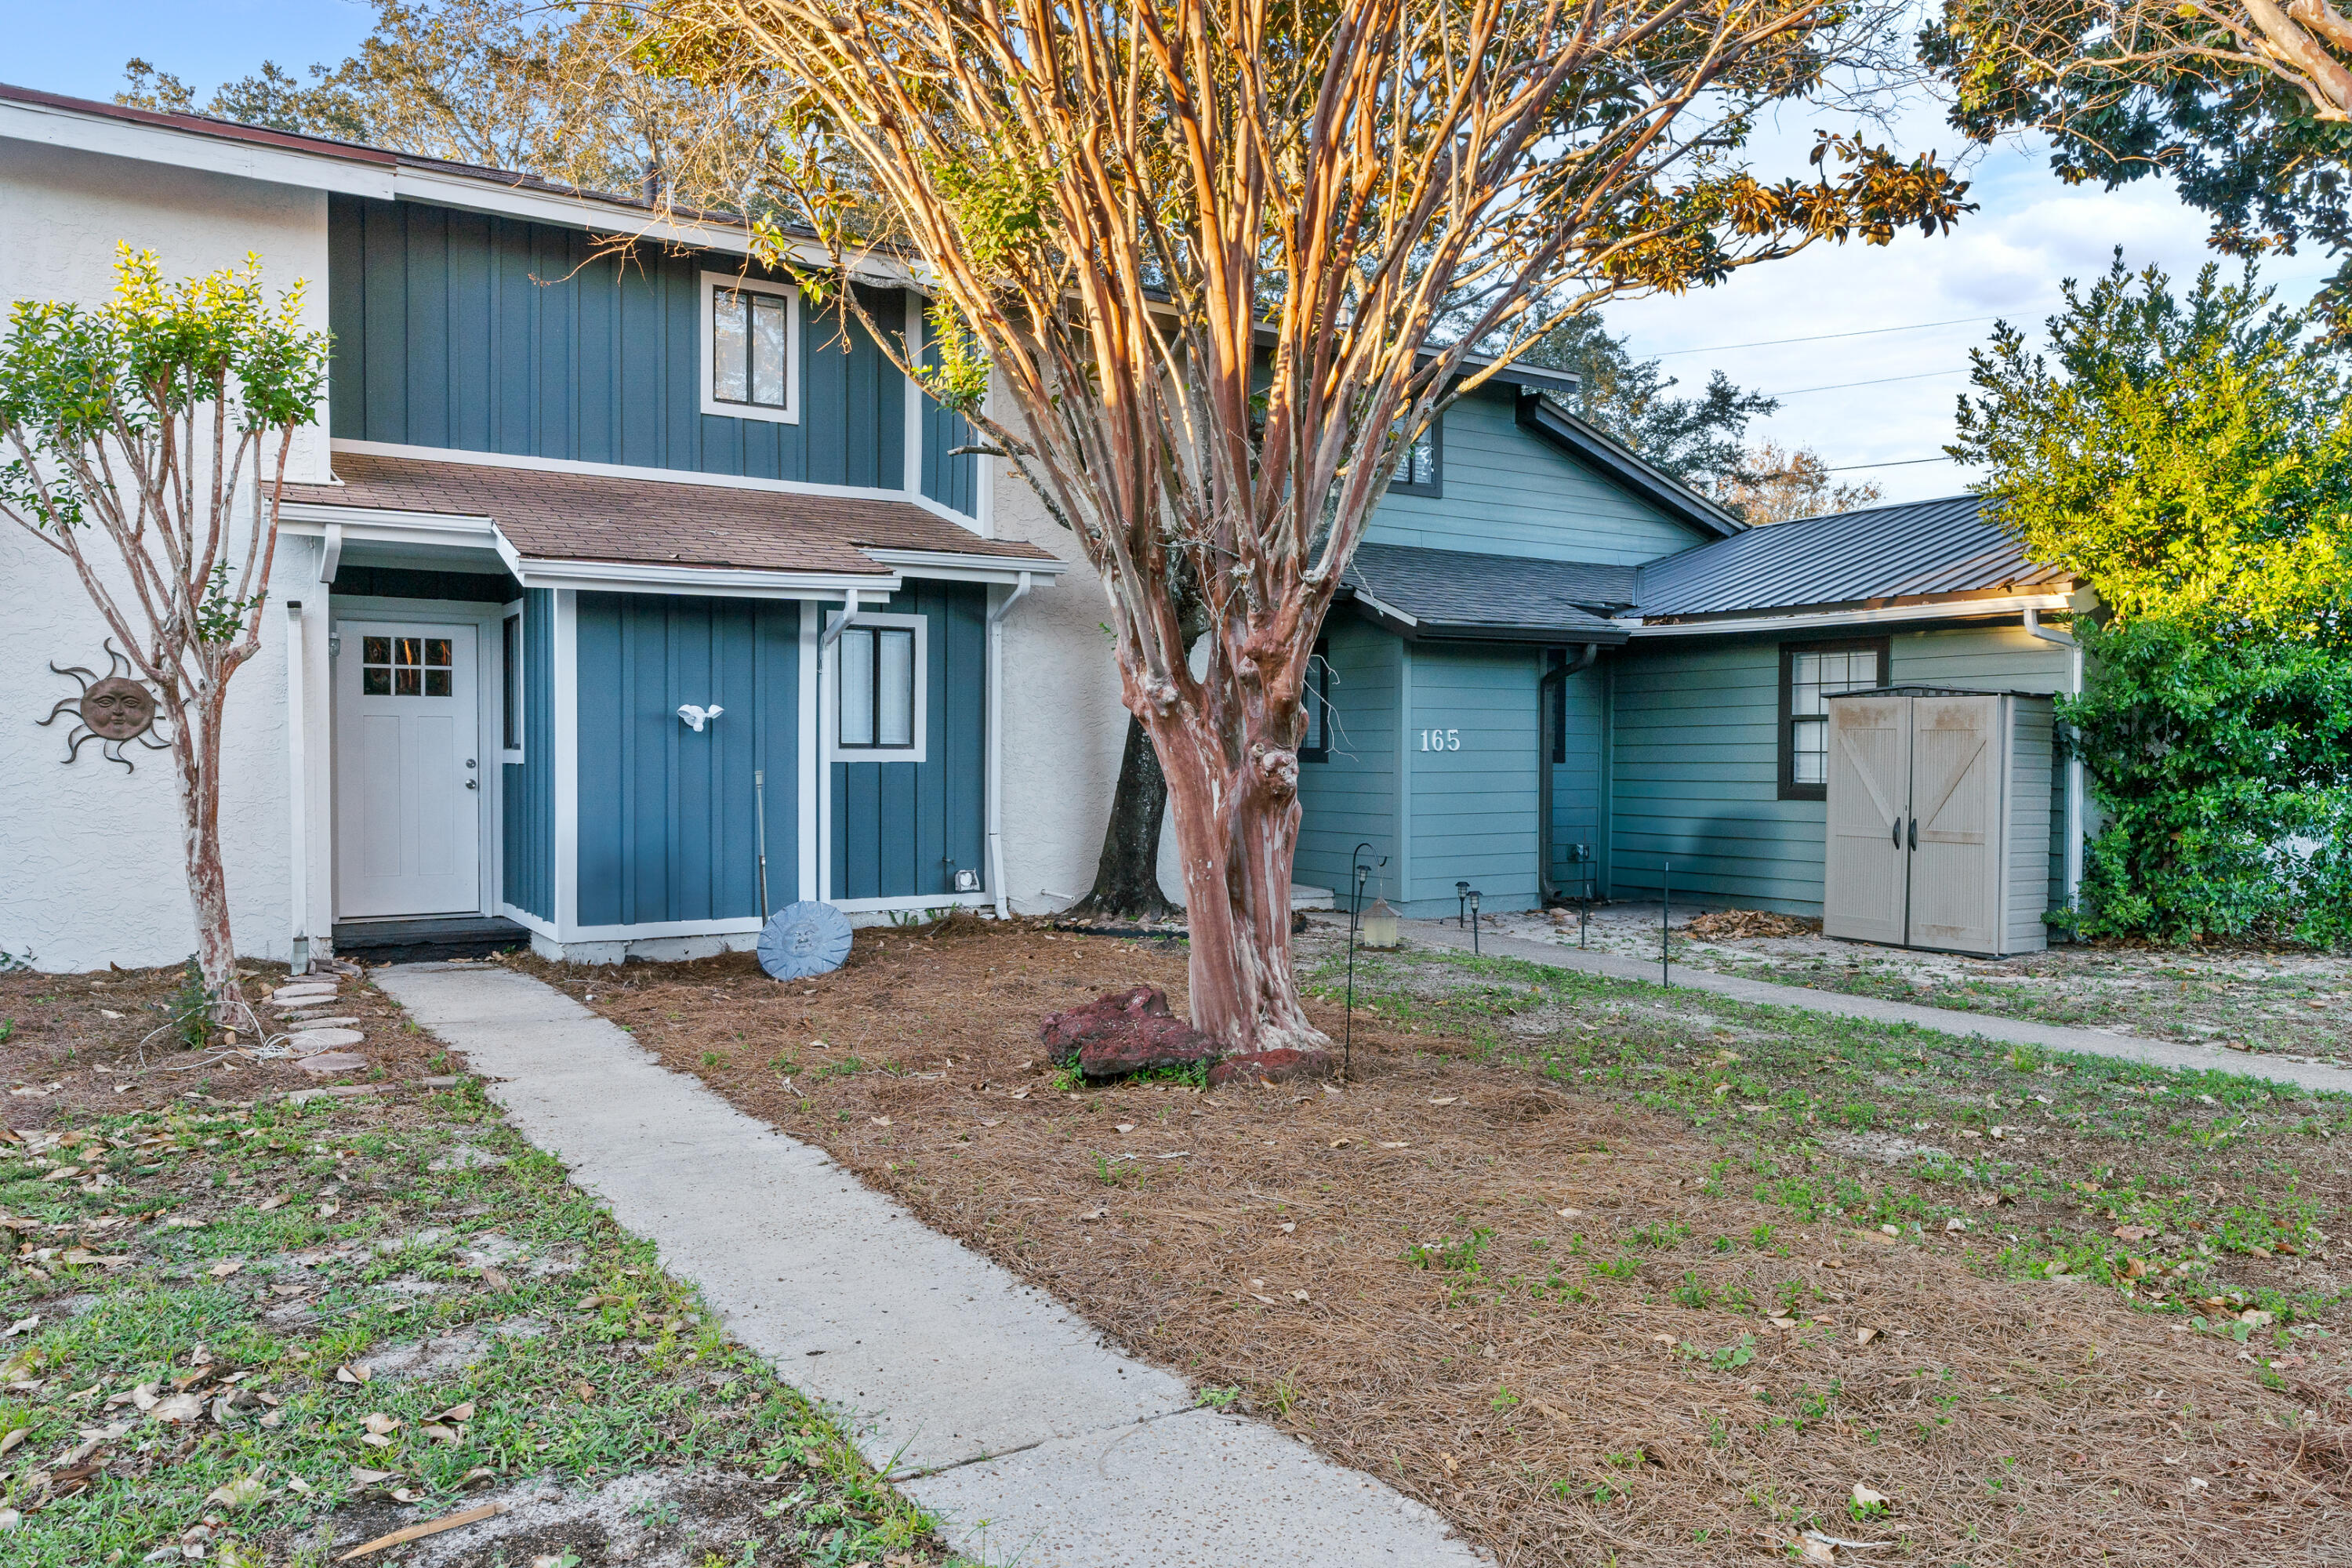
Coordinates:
[668,831]
[1473,809]
[903,829]
[1350,796]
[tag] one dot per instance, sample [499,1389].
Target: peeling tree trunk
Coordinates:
[1127,877]
[1237,829]
[195,760]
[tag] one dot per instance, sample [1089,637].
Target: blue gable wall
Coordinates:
[668,829]
[489,334]
[902,829]
[527,795]
[1510,492]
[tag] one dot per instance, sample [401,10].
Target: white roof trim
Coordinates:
[376,525]
[658,476]
[944,566]
[706,582]
[1946,610]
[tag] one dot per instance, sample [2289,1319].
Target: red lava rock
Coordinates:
[1278,1066]
[1125,1032]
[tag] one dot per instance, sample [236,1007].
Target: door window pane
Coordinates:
[729,343]
[405,667]
[894,689]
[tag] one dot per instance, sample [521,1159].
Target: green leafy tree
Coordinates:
[2244,105]
[146,442]
[2190,459]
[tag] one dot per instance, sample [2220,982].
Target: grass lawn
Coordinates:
[1604,1273]
[242,1331]
[2293,1001]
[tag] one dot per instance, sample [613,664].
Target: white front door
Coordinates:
[1865,896]
[408,774]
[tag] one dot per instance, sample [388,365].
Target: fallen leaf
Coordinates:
[1782,1322]
[356,1372]
[1863,1336]
[1452,1465]
[2133,1233]
[360,1477]
[1268,1300]
[13,1438]
[22,1326]
[179,1408]
[496,1278]
[328,1210]
[439,1433]
[1096,1214]
[225,1267]
[1812,1551]
[1338,1143]
[380,1423]
[1570,1213]
[1124,1127]
[1445,1100]
[1298,1295]
[457,1412]
[1396,1145]
[879,1120]
[375,1439]
[236,1493]
[265,1205]
[1288,1225]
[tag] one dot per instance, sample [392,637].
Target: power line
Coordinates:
[1879,381]
[1898,463]
[1826,337]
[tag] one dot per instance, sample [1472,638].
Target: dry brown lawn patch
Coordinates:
[1533,1307]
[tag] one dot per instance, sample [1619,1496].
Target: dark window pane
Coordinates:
[513,684]
[436,651]
[408,651]
[375,682]
[436,683]
[404,682]
[379,650]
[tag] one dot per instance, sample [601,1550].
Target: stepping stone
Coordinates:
[310,1040]
[318,1021]
[336,1092]
[324,1063]
[286,995]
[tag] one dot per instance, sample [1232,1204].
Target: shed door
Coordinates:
[1956,798]
[1869,798]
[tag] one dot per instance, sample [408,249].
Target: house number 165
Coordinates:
[1441,739]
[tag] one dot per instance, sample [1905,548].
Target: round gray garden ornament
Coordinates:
[804,938]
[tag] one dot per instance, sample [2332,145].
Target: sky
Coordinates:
[2005,260]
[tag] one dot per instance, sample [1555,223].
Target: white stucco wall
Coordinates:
[92,855]
[1063,723]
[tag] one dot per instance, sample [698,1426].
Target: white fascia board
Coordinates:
[1390,611]
[634,577]
[1948,610]
[950,568]
[374,525]
[658,476]
[56,126]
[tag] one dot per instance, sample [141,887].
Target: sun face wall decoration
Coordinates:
[112,710]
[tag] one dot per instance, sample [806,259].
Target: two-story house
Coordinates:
[615,572]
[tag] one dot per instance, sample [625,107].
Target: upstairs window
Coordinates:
[751,349]
[878,666]
[1420,471]
[1811,674]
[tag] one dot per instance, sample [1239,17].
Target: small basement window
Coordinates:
[879,713]
[1811,674]
[751,349]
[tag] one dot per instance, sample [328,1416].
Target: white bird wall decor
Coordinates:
[696,718]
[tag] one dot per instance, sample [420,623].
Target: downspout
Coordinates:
[2072,877]
[996,745]
[297,800]
[1546,890]
[825,708]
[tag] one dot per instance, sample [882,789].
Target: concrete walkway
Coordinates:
[989,1402]
[2299,1073]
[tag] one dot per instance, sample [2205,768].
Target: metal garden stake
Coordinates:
[760,803]
[1355,915]
[1665,921]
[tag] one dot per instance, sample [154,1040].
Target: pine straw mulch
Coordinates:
[1526,1306]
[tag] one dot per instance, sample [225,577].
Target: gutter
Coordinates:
[1954,610]
[2072,880]
[995,784]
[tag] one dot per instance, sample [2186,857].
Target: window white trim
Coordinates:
[711,284]
[837,752]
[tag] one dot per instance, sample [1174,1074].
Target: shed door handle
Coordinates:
[1898,833]
[1915,833]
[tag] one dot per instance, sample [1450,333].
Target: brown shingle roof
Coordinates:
[551,516]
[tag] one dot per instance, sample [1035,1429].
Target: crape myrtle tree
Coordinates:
[1221,262]
[144,440]
[2244,105]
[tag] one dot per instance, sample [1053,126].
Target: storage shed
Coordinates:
[1939,808]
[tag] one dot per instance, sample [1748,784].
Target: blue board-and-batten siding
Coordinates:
[666,816]
[489,334]
[952,481]
[1350,797]
[903,829]
[526,796]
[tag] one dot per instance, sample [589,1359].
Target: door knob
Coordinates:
[472,783]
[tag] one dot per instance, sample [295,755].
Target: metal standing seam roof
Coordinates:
[550,515]
[1462,593]
[1912,550]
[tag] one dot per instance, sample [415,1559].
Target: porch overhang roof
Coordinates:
[1465,595]
[573,528]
